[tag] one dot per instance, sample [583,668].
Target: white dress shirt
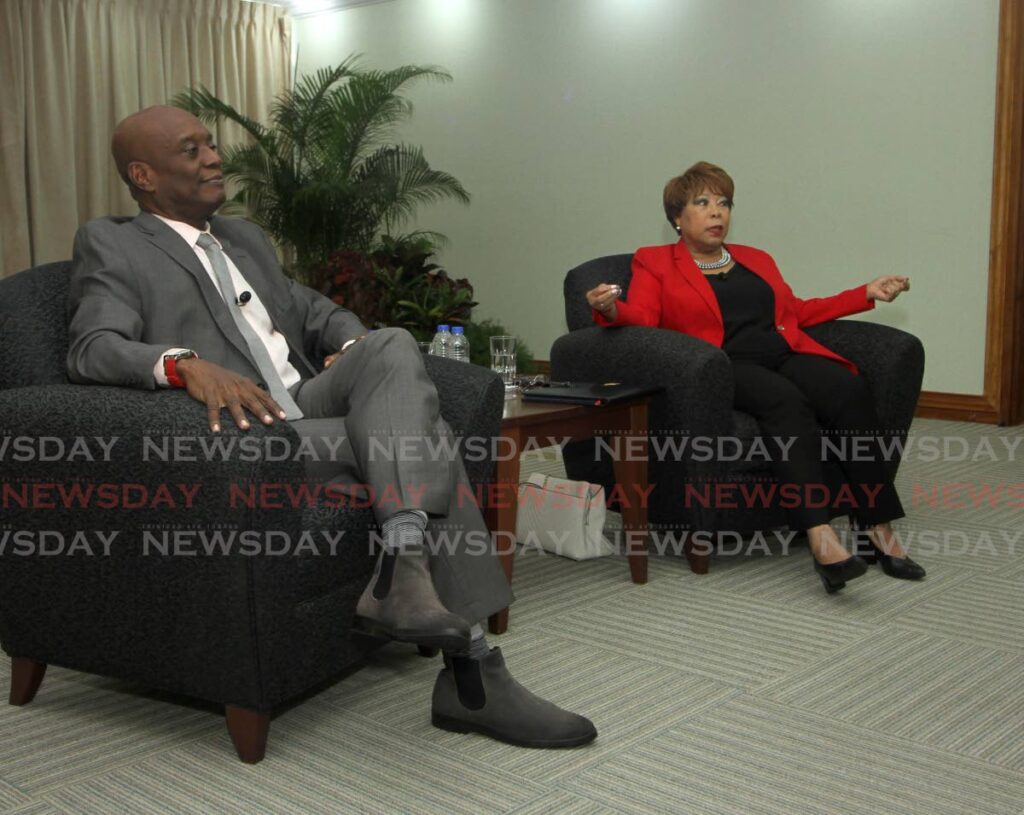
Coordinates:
[254,311]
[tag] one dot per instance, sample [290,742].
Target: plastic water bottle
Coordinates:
[441,344]
[460,344]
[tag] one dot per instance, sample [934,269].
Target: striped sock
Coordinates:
[404,530]
[478,647]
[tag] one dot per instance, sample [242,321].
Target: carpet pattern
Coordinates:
[747,691]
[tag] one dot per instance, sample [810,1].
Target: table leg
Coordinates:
[501,518]
[631,475]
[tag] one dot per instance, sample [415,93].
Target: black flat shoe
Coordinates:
[834,575]
[902,568]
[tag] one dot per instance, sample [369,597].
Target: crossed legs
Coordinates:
[434,582]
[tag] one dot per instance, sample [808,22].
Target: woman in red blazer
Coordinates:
[735,298]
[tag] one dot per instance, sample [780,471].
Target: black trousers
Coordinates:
[830,413]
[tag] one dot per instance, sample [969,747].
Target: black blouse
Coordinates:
[747,304]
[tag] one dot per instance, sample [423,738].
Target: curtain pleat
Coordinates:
[14,241]
[71,69]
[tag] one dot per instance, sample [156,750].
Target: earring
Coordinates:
[679,229]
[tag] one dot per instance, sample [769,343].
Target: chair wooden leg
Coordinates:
[697,555]
[248,729]
[26,677]
[497,623]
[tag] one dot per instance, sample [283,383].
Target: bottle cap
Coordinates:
[442,328]
[457,329]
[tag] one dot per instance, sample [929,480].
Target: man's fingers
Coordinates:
[219,388]
[272,405]
[260,404]
[237,413]
[213,415]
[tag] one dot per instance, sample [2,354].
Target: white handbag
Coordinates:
[562,517]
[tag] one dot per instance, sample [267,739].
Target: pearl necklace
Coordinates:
[708,266]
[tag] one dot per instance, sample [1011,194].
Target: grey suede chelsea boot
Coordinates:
[480,696]
[400,603]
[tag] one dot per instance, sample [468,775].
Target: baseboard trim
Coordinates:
[957,407]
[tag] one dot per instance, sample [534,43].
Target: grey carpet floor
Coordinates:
[744,691]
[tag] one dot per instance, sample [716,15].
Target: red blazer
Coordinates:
[667,290]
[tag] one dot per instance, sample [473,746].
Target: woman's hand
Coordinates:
[887,288]
[602,298]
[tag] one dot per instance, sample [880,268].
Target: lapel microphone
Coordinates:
[243,298]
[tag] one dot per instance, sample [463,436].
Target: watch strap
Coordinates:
[171,367]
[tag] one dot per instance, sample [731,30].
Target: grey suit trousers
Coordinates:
[379,397]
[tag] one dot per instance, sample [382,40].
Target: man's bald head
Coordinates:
[168,159]
[138,136]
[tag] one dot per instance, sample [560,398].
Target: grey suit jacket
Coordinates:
[138,289]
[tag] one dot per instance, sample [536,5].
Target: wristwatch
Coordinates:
[349,343]
[171,367]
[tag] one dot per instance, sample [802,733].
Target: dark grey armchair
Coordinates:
[697,398]
[249,631]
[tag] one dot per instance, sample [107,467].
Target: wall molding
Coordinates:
[956,407]
[1004,334]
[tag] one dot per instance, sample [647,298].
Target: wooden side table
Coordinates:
[533,422]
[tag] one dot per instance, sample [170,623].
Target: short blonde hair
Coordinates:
[682,189]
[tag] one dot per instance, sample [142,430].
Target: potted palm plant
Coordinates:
[325,175]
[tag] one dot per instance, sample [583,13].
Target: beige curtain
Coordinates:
[71,69]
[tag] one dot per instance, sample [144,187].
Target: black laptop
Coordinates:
[587,393]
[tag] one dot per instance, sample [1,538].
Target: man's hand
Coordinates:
[219,388]
[887,288]
[330,359]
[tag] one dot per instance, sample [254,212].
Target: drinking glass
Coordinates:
[503,362]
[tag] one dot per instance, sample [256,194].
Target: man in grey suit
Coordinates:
[180,297]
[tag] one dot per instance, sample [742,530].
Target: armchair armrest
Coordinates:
[891,360]
[697,399]
[248,626]
[156,606]
[472,401]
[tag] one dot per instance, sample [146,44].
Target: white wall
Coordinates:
[859,134]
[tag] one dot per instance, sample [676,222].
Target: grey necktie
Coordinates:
[258,350]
